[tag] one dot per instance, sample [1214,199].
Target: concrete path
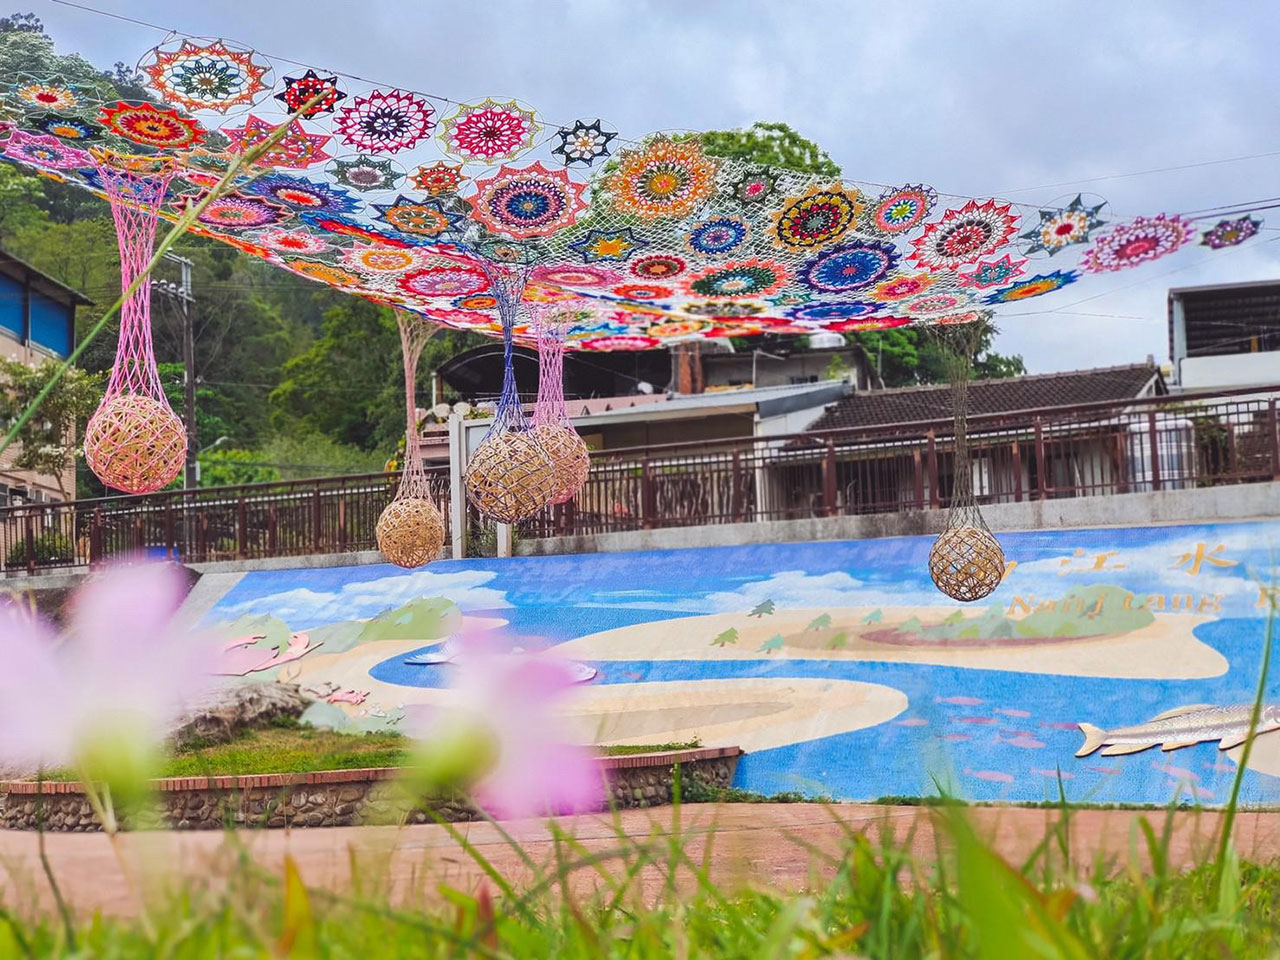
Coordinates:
[785,845]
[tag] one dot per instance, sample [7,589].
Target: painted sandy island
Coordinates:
[753,713]
[1147,646]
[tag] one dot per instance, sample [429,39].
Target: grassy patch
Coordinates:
[287,747]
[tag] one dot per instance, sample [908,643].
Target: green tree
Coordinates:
[226,468]
[771,144]
[762,609]
[349,385]
[906,357]
[49,439]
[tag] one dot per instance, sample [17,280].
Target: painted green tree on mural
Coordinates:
[724,639]
[820,622]
[761,609]
[772,645]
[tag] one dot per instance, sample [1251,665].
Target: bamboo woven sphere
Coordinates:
[135,444]
[570,458]
[510,477]
[410,532]
[966,563]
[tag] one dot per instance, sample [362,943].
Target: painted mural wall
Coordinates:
[1121,660]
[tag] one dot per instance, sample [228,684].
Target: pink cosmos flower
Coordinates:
[510,700]
[102,697]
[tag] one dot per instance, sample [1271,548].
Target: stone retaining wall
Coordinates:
[333,798]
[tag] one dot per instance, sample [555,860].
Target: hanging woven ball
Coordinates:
[510,477]
[135,444]
[570,458]
[966,563]
[410,532]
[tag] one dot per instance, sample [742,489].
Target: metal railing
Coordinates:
[1100,449]
[253,521]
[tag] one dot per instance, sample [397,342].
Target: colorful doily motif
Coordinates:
[1036,286]
[237,211]
[1230,233]
[821,216]
[437,179]
[311,94]
[608,245]
[662,178]
[901,209]
[992,273]
[489,131]
[431,218]
[965,235]
[585,143]
[44,151]
[527,202]
[206,77]
[299,193]
[1063,227]
[297,149]
[151,126]
[850,266]
[1141,241]
[717,237]
[385,122]
[746,279]
[366,174]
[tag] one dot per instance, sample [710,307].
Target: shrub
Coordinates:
[49,547]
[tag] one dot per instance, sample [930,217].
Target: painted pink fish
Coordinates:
[239,658]
[1109,771]
[958,701]
[955,737]
[1220,767]
[1060,726]
[1017,733]
[977,720]
[1200,793]
[993,776]
[1053,773]
[1022,714]
[348,696]
[1178,773]
[912,722]
[1027,743]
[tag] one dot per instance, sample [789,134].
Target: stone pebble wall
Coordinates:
[334,798]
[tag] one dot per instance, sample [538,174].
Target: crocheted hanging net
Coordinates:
[569,455]
[510,477]
[134,441]
[966,562]
[410,530]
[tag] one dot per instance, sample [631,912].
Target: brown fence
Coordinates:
[332,515]
[1160,443]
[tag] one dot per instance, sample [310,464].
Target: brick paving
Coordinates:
[786,845]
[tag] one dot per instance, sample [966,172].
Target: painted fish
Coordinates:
[977,720]
[1021,714]
[1027,743]
[959,701]
[1181,727]
[955,737]
[1053,773]
[912,722]
[991,776]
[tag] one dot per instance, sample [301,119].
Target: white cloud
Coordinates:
[301,606]
[789,590]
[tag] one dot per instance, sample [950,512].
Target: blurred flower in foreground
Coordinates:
[502,739]
[102,698]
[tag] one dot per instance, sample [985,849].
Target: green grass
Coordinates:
[294,748]
[874,901]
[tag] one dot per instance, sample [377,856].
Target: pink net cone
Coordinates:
[510,477]
[134,441]
[410,530]
[570,458]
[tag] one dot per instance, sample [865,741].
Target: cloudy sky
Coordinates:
[1031,102]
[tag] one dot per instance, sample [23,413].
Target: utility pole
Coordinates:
[182,294]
